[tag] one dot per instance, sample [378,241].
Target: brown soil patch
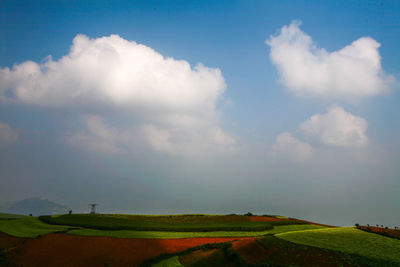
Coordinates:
[265,219]
[382,231]
[195,256]
[250,250]
[284,253]
[7,241]
[69,250]
[325,225]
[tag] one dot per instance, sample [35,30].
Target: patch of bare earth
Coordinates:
[382,231]
[250,250]
[195,256]
[266,219]
[281,252]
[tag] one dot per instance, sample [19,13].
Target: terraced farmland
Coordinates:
[188,240]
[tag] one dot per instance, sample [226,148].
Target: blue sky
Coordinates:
[52,146]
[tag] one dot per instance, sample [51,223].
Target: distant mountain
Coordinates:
[36,206]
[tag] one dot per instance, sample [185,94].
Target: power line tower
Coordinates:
[93,208]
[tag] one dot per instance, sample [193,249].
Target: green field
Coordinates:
[29,227]
[7,216]
[181,223]
[163,234]
[348,240]
[33,227]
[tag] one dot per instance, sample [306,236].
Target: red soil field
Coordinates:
[250,250]
[195,256]
[282,255]
[7,242]
[325,225]
[69,250]
[381,230]
[265,219]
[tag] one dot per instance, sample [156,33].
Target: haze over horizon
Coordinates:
[158,107]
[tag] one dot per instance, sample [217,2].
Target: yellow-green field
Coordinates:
[33,227]
[167,234]
[29,227]
[177,223]
[348,240]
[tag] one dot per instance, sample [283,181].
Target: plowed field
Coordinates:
[265,219]
[250,250]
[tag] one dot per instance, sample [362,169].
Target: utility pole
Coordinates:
[93,208]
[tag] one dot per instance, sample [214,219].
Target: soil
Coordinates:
[265,219]
[9,242]
[195,256]
[325,225]
[69,250]
[250,250]
[273,250]
[382,231]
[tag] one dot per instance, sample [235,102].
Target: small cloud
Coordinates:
[288,147]
[337,128]
[351,72]
[7,135]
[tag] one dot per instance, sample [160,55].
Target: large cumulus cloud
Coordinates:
[351,72]
[172,104]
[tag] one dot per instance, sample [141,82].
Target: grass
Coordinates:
[28,227]
[172,235]
[348,240]
[182,223]
[7,216]
[171,262]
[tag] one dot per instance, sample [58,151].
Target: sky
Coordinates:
[157,107]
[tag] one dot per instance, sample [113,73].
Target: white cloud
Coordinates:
[288,147]
[337,128]
[7,135]
[351,72]
[113,74]
[111,70]
[175,140]
[99,136]
[186,141]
